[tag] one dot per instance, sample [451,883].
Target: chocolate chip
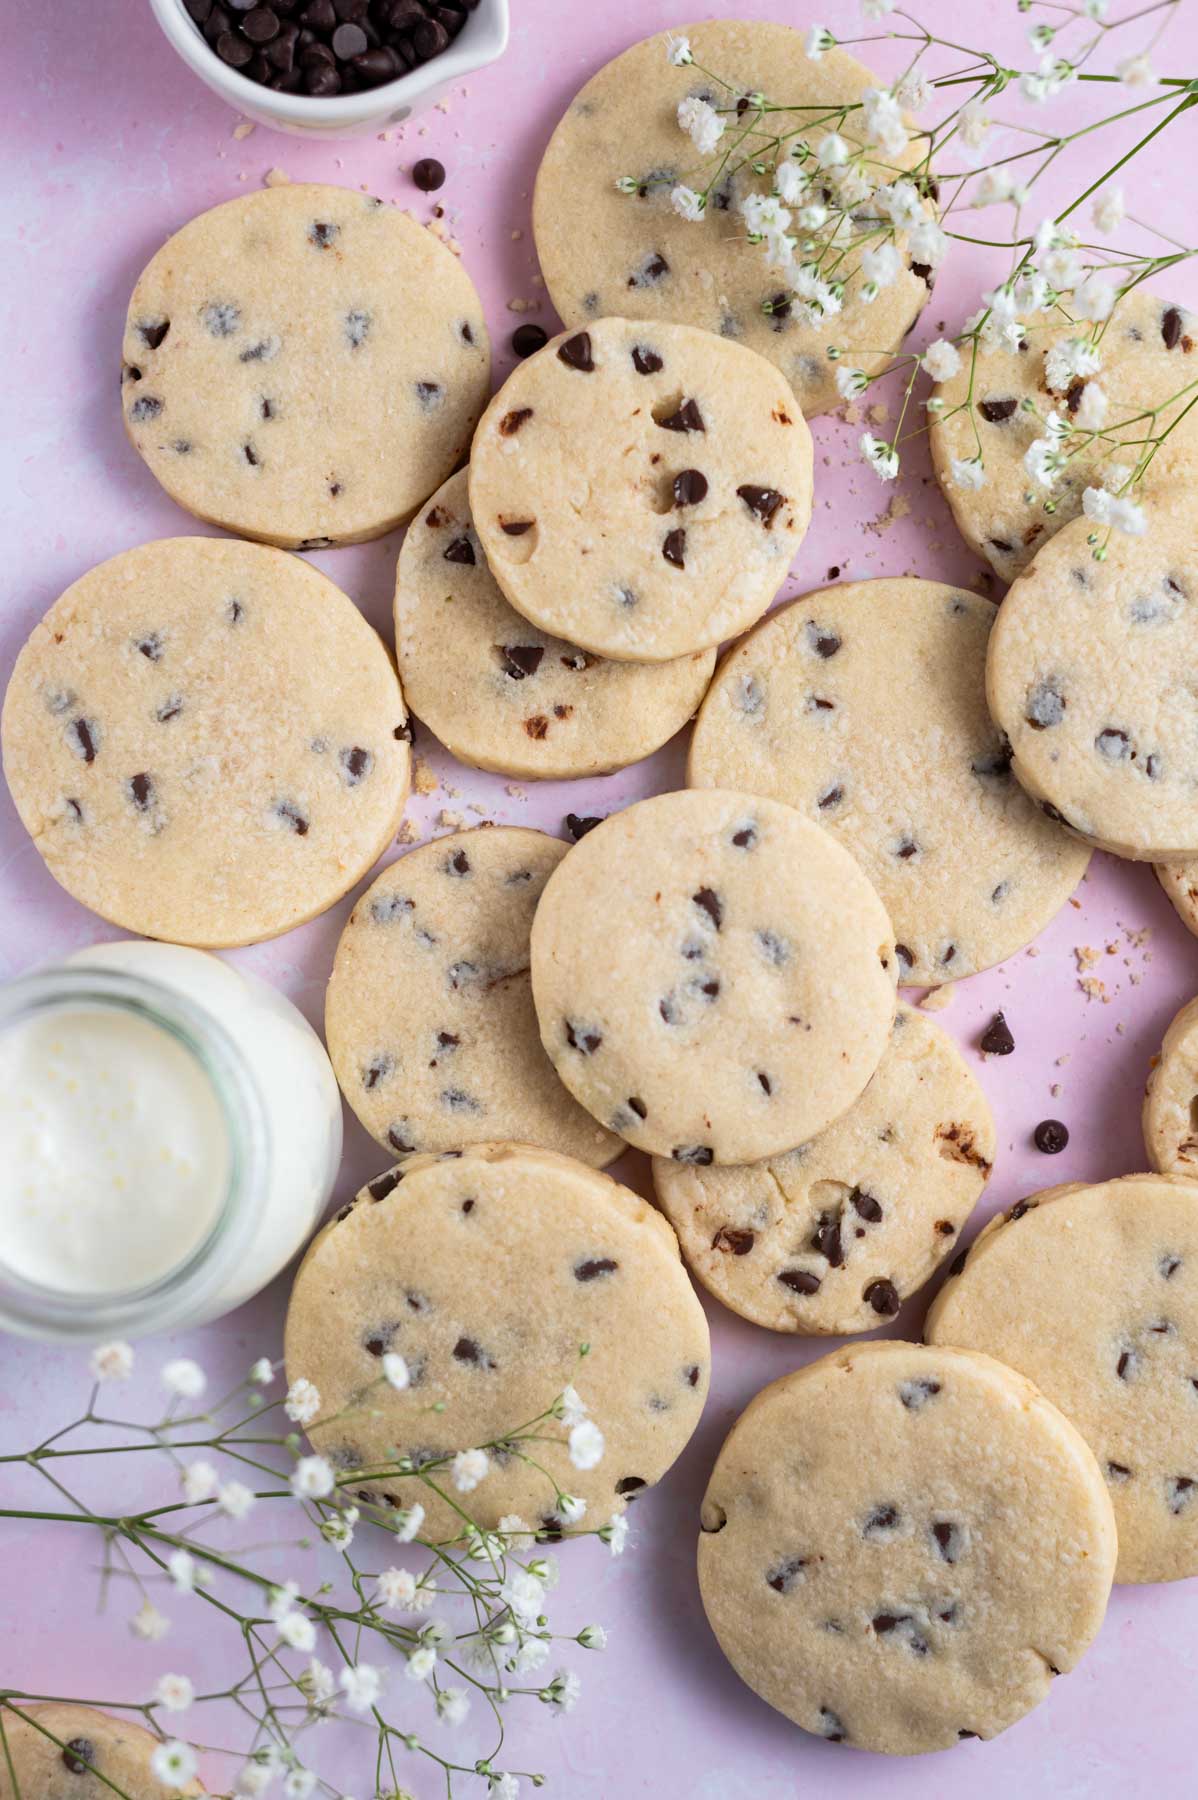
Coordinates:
[904,955]
[906,848]
[526,339]
[428,173]
[761,500]
[650,271]
[384,1184]
[645,361]
[399,1140]
[515,527]
[918,1392]
[141,791]
[578,827]
[883,1297]
[457,864]
[265,350]
[945,1228]
[461,550]
[690,487]
[1179,1492]
[430,394]
[948,1540]
[576,353]
[1045,706]
[824,643]
[1168,1266]
[511,422]
[290,813]
[638,1107]
[594,1267]
[322,234]
[154,335]
[520,660]
[880,1520]
[1050,1136]
[143,408]
[1171,328]
[709,902]
[1117,1471]
[1114,744]
[784,1575]
[826,1239]
[997,1040]
[83,735]
[831,1726]
[79,1756]
[356,765]
[674,548]
[467,1351]
[995,411]
[686,418]
[958,1262]
[585,1039]
[800,1281]
[775,949]
[698,1154]
[734,1239]
[865,1206]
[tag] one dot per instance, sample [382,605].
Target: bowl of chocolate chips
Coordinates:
[333,68]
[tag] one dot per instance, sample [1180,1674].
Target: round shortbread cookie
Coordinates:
[487,1271]
[429,1015]
[603,251]
[713,976]
[77,1753]
[834,1236]
[1170,1116]
[864,706]
[1143,364]
[1092,1293]
[640,490]
[1088,674]
[500,693]
[901,1547]
[1180,882]
[206,741]
[303,365]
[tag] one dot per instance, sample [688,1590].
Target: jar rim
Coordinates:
[181,1291]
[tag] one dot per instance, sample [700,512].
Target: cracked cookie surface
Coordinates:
[486,1271]
[901,1546]
[206,741]
[303,365]
[429,1014]
[1092,1293]
[833,1236]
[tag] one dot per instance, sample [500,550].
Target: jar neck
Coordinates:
[187,1288]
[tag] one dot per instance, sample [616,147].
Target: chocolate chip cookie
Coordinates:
[1145,362]
[865,707]
[429,1015]
[1092,1292]
[1180,882]
[833,1236]
[206,741]
[640,490]
[1170,1115]
[1089,676]
[502,694]
[487,1271]
[76,1753]
[603,251]
[303,365]
[902,1546]
[713,976]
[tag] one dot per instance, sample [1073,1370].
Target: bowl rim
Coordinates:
[187,40]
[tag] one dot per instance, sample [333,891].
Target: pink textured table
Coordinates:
[110,146]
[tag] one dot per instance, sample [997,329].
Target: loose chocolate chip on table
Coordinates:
[576,352]
[578,827]
[528,338]
[997,1040]
[428,173]
[1050,1136]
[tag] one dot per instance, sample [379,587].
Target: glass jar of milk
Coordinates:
[170,1131]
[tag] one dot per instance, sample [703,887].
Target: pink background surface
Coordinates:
[110,146]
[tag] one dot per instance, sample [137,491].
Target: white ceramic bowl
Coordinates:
[482,39]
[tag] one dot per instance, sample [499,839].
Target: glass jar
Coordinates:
[170,1132]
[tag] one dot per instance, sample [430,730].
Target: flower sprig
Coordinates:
[355,1632]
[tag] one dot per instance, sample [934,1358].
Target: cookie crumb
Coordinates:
[1094,988]
[243,128]
[407,833]
[276,178]
[937,998]
[424,779]
[451,821]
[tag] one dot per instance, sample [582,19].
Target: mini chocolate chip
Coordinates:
[945,1228]
[783,1576]
[904,955]
[1169,1266]
[511,422]
[461,550]
[398,1140]
[586,1040]
[1045,706]
[1125,1368]
[709,902]
[745,838]
[866,1206]
[221,318]
[996,411]
[761,500]
[764,1082]
[881,1519]
[1050,1136]
[1114,744]
[948,1540]
[691,1375]
[154,334]
[775,949]
[457,864]
[467,1351]
[918,1392]
[1171,328]
[686,418]
[674,548]
[141,791]
[458,1100]
[146,406]
[906,848]
[831,1726]
[521,659]
[528,338]
[515,527]
[1117,1471]
[650,271]
[379,1342]
[824,643]
[827,1240]
[997,1040]
[690,487]
[79,1756]
[264,351]
[356,765]
[831,797]
[322,234]
[645,361]
[84,738]
[251,456]
[734,1239]
[630,1484]
[699,1154]
[576,353]
[428,173]
[429,394]
[883,1296]
[376,1070]
[1179,1492]
[291,815]
[384,1184]
[800,1281]
[594,1267]
[578,827]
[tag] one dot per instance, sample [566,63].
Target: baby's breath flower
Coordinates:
[850,382]
[396,1589]
[1104,508]
[469,1468]
[627,184]
[993,186]
[686,203]
[615,1534]
[1063,267]
[876,9]
[1064,361]
[1108,210]
[882,117]
[967,472]
[185,1378]
[1136,72]
[518,1533]
[701,122]
[453,1703]
[813,216]
[112,1362]
[1041,36]
[407,1523]
[1091,411]
[1044,460]
[973,125]
[790,181]
[563,1691]
[818,40]
[297,1632]
[900,203]
[593,1637]
[317,1683]
[880,265]
[503,1787]
[571,1408]
[299,1784]
[832,151]
[263,1372]
[532,1654]
[182,1567]
[927,243]
[914,91]
[780,249]
[570,1509]
[174,1692]
[252,1780]
[174,1764]
[395,1371]
[313,1478]
[1116,476]
[149,1623]
[198,1480]
[1093,299]
[942,360]
[586,1445]
[421,1663]
[303,1401]
[882,457]
[524,1595]
[1046,80]
[339,1530]
[764,212]
[361,1684]
[678,49]
[234,1499]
